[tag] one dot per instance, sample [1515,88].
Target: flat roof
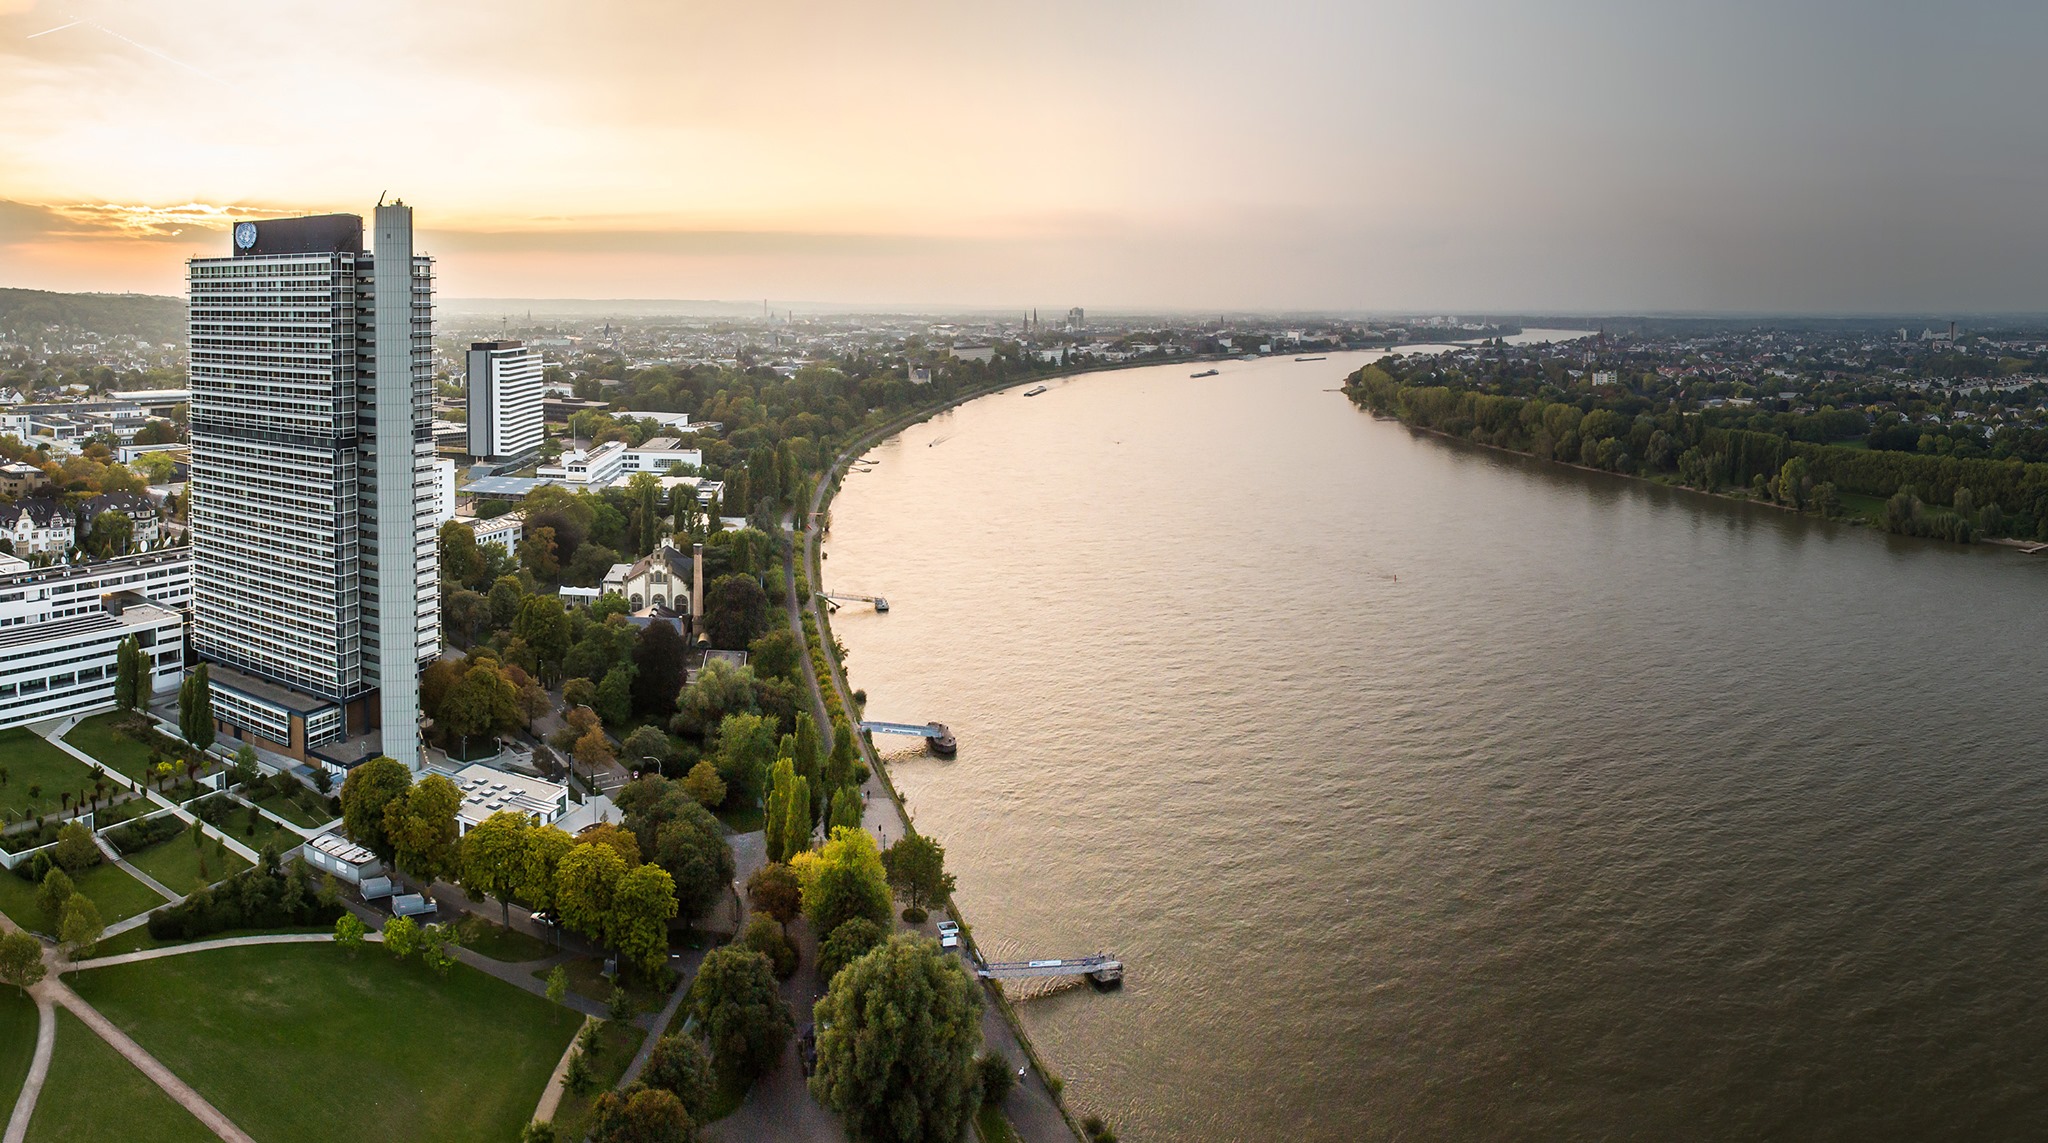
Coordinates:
[508,486]
[299,702]
[342,849]
[486,791]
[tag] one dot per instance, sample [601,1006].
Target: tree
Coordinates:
[843,880]
[462,562]
[365,794]
[615,696]
[75,849]
[846,809]
[585,884]
[898,1031]
[840,766]
[538,554]
[350,932]
[775,891]
[640,1115]
[679,1066]
[774,655]
[482,702]
[719,691]
[465,615]
[645,489]
[546,846]
[129,674]
[245,773]
[810,757]
[704,784]
[435,941]
[693,850]
[401,937]
[766,937]
[846,944]
[736,1001]
[505,597]
[735,611]
[746,745]
[648,744]
[81,928]
[594,749]
[422,829]
[543,626]
[917,869]
[111,534]
[658,667]
[195,708]
[788,824]
[995,1077]
[580,692]
[52,895]
[558,984]
[21,961]
[540,1130]
[643,903]
[493,862]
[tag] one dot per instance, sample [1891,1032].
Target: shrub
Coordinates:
[137,836]
[995,1076]
[766,937]
[255,898]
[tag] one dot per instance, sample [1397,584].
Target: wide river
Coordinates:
[1434,793]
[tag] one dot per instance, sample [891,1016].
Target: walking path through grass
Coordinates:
[93,1094]
[18,1035]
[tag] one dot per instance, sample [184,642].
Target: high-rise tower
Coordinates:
[505,383]
[312,405]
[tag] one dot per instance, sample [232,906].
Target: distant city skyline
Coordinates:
[1477,155]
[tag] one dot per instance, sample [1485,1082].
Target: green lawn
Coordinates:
[500,943]
[116,895]
[263,832]
[616,1045]
[183,867]
[264,1032]
[291,811]
[93,1094]
[17,1045]
[97,737]
[30,761]
[587,979]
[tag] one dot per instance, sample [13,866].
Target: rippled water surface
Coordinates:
[1433,793]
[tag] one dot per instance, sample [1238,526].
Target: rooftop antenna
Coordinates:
[380,196]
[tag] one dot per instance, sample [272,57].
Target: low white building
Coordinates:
[505,531]
[61,627]
[333,853]
[599,466]
[659,453]
[486,791]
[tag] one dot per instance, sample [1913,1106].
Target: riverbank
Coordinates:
[1041,1087]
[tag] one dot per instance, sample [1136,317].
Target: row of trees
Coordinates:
[1956,498]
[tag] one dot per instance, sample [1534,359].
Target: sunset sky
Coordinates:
[1201,154]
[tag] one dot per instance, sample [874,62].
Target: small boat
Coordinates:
[1204,373]
[1033,392]
[1311,359]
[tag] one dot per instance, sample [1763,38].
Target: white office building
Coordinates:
[504,400]
[60,629]
[313,496]
[597,467]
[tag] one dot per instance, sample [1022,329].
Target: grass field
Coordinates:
[116,895]
[17,1045]
[261,1032]
[498,942]
[291,811]
[264,832]
[93,1094]
[96,736]
[183,867]
[31,762]
[587,979]
[616,1045]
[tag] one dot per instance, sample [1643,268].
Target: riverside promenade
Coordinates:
[1031,1108]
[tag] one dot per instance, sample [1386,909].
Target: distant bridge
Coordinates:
[1101,968]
